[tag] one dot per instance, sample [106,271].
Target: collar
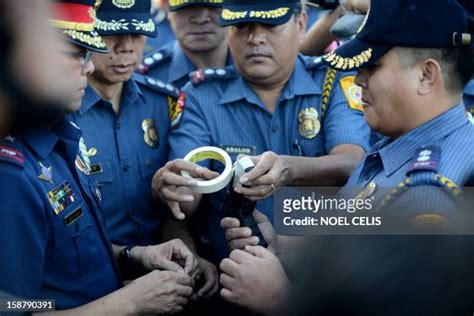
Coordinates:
[131,91]
[395,154]
[43,140]
[300,83]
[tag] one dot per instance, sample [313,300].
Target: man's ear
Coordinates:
[302,20]
[430,76]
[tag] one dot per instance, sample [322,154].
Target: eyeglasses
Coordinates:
[84,55]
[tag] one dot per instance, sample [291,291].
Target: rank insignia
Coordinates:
[150,133]
[175,108]
[46,173]
[83,162]
[352,92]
[309,123]
[470,117]
[61,197]
[368,191]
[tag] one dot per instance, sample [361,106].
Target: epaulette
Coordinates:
[154,59]
[167,89]
[10,152]
[201,75]
[313,63]
[423,171]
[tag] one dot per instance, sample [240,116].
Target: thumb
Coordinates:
[260,217]
[258,251]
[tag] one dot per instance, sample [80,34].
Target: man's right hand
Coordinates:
[173,189]
[238,237]
[160,292]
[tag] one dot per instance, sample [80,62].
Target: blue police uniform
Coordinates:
[170,64]
[56,247]
[469,97]
[125,150]
[222,110]
[438,153]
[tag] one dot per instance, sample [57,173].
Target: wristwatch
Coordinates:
[125,263]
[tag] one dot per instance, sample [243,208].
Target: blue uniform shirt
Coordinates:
[54,246]
[170,64]
[224,111]
[124,157]
[445,143]
[469,96]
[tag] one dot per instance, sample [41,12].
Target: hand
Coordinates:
[356,6]
[270,170]
[255,279]
[238,237]
[173,255]
[172,188]
[160,292]
[208,272]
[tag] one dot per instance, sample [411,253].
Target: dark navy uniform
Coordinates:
[56,247]
[170,64]
[317,111]
[125,150]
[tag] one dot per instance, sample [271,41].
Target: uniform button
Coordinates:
[125,168]
[118,126]
[148,162]
[274,129]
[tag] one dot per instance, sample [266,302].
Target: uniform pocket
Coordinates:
[75,247]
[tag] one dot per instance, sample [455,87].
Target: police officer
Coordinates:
[274,104]
[160,16]
[201,43]
[412,80]
[125,119]
[58,248]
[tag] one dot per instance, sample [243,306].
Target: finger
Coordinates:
[205,173]
[170,266]
[228,267]
[226,281]
[180,301]
[184,279]
[184,291]
[177,180]
[210,275]
[258,251]
[229,222]
[241,243]
[260,217]
[263,166]
[239,256]
[175,196]
[190,262]
[260,191]
[237,233]
[227,295]
[176,211]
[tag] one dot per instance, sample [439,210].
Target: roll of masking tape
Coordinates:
[214,153]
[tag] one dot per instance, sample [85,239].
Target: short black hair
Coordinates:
[457,63]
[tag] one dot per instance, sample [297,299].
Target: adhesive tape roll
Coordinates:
[214,153]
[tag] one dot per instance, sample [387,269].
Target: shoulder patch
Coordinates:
[175,108]
[158,85]
[201,75]
[154,59]
[352,92]
[425,159]
[11,155]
